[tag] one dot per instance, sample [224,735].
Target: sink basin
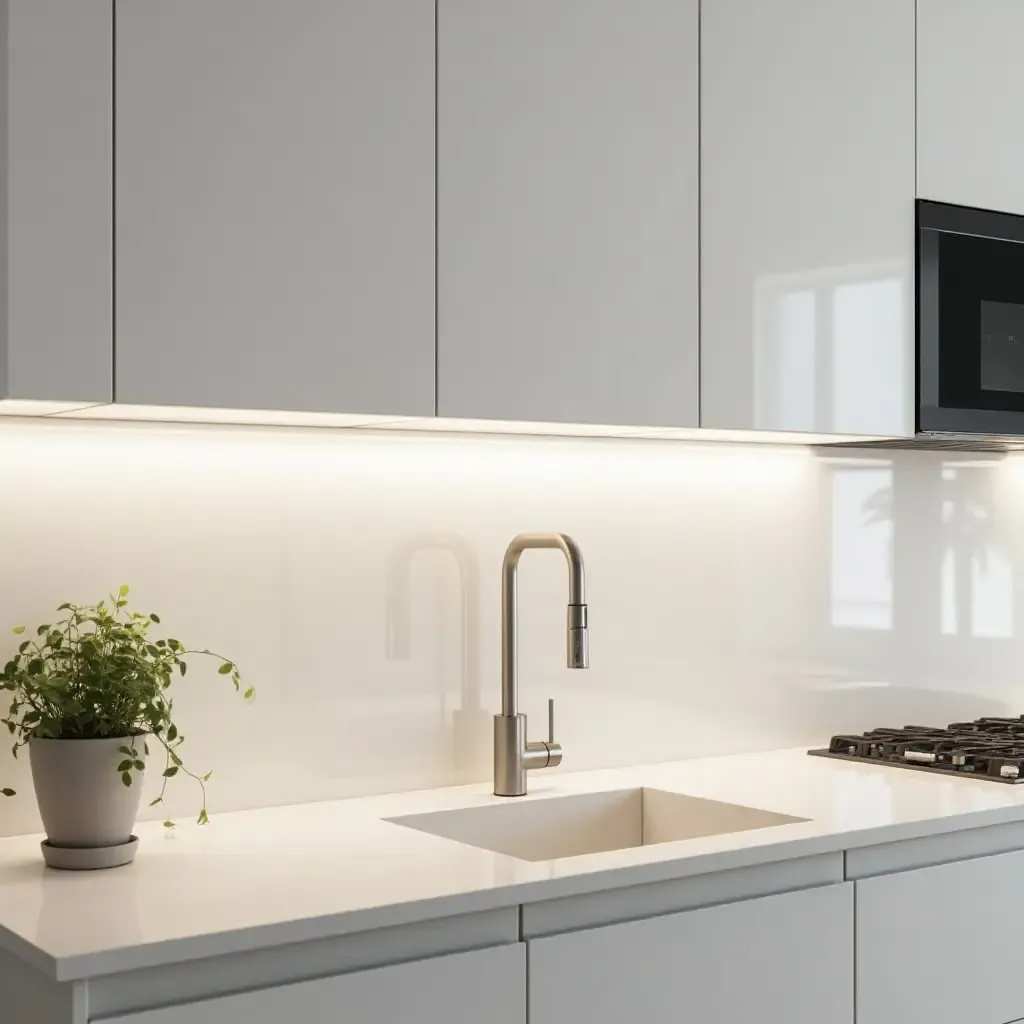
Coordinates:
[571,826]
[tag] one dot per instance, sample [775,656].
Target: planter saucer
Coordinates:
[91,858]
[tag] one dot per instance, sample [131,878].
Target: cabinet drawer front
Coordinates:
[487,985]
[940,943]
[779,958]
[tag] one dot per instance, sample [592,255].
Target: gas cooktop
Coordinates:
[990,748]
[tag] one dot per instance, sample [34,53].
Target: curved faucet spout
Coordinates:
[577,654]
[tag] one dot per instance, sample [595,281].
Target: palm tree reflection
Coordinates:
[976,598]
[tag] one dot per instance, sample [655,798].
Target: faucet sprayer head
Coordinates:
[577,639]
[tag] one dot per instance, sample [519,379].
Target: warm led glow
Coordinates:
[242,417]
[30,407]
[240,459]
[257,417]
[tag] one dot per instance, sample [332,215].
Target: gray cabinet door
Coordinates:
[807,215]
[939,944]
[483,987]
[275,204]
[567,211]
[56,342]
[970,93]
[781,958]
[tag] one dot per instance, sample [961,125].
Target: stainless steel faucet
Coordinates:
[514,756]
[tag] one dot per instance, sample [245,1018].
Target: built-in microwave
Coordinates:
[970,326]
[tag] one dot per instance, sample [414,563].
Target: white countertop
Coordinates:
[264,878]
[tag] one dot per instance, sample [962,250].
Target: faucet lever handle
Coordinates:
[551,720]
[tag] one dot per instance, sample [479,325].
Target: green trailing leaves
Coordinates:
[96,673]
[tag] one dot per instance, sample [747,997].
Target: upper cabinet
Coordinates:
[275,204]
[807,214]
[625,213]
[567,211]
[55,279]
[970,93]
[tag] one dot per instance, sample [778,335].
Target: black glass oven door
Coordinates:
[970,320]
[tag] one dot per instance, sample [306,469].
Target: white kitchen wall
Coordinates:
[741,597]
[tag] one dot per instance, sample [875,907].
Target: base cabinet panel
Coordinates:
[940,944]
[781,958]
[486,986]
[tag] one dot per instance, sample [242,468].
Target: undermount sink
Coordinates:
[571,826]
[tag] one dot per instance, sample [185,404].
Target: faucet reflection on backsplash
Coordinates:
[470,723]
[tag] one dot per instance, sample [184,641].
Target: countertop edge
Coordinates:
[115,961]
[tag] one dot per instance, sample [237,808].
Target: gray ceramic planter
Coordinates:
[82,800]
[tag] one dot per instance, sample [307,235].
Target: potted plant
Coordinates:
[89,694]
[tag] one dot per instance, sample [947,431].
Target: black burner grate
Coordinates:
[989,748]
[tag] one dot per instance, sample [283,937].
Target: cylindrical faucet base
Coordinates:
[509,744]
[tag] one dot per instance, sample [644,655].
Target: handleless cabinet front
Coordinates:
[487,986]
[970,93]
[780,958]
[940,944]
[567,211]
[807,215]
[275,204]
[56,342]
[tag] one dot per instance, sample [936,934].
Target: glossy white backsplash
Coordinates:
[741,597]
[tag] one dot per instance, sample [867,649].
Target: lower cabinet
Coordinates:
[486,986]
[780,958]
[940,944]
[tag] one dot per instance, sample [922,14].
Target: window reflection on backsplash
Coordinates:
[922,577]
